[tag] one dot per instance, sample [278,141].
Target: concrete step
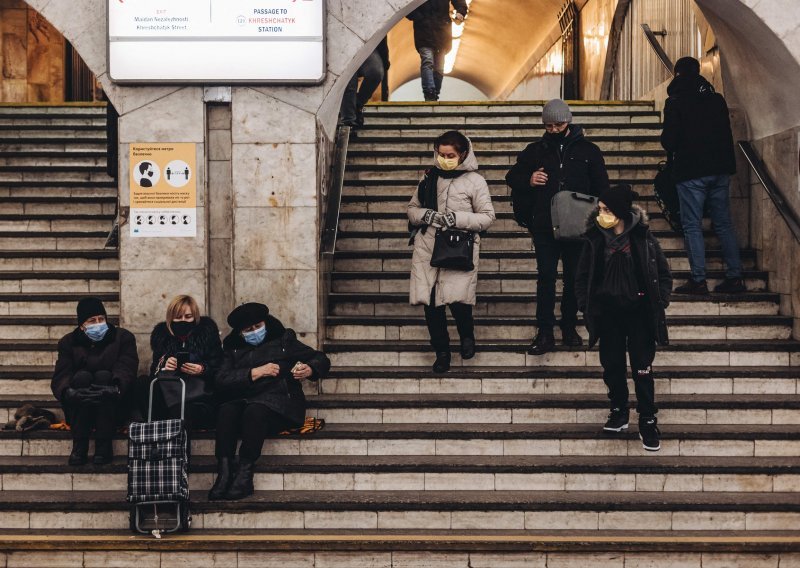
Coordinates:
[60,191]
[54,121]
[688,440]
[59,260]
[28,132]
[373,510]
[74,281]
[50,303]
[511,409]
[81,159]
[499,141]
[53,240]
[55,223]
[492,260]
[58,207]
[374,282]
[61,145]
[436,473]
[8,110]
[523,131]
[460,108]
[486,158]
[529,380]
[54,176]
[490,328]
[467,118]
[721,353]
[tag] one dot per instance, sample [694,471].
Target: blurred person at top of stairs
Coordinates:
[563,160]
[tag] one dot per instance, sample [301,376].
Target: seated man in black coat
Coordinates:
[259,391]
[96,367]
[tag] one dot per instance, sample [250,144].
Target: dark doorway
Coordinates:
[570,80]
[79,81]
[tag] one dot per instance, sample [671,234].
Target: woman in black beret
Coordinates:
[96,367]
[260,392]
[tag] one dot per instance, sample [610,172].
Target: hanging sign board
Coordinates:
[163,190]
[226,41]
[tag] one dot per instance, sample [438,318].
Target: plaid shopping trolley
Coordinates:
[158,480]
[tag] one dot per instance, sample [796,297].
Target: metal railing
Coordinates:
[790,217]
[330,225]
[660,53]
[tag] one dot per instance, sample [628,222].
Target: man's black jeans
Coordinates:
[548,253]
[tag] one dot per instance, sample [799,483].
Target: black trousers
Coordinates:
[632,332]
[250,421]
[82,418]
[548,253]
[436,318]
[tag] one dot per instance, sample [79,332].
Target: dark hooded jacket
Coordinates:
[282,394]
[432,23]
[115,353]
[652,273]
[204,347]
[576,165]
[697,130]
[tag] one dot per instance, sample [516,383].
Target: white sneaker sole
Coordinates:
[649,448]
[620,429]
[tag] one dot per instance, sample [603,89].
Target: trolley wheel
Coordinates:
[132,519]
[186,517]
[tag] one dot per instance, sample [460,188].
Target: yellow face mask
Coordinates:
[447,164]
[607,220]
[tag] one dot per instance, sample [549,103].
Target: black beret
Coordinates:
[247,314]
[90,307]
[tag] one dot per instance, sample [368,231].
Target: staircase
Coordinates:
[499,463]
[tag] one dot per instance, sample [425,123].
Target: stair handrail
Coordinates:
[330,226]
[660,53]
[789,215]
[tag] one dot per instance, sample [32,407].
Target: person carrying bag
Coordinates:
[451,206]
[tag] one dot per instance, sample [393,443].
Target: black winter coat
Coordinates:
[432,23]
[697,130]
[204,347]
[577,165]
[282,394]
[115,353]
[652,271]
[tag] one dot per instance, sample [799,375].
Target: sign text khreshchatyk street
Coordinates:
[163,190]
[230,41]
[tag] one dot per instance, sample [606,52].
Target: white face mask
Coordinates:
[447,164]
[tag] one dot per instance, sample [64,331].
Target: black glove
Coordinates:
[106,393]
[69,395]
[81,396]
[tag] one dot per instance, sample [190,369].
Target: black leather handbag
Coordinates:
[452,249]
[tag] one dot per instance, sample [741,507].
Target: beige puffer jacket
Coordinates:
[468,197]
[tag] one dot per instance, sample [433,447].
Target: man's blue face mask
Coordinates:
[96,332]
[256,336]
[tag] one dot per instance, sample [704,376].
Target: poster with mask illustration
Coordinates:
[163,189]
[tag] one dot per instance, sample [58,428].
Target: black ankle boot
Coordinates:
[223,481]
[242,485]
[80,452]
[442,363]
[103,452]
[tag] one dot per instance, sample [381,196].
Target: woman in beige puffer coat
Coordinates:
[462,201]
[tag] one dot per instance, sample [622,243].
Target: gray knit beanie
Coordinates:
[556,111]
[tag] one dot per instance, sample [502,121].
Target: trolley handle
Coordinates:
[152,386]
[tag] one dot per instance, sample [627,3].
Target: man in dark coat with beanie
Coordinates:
[697,135]
[95,369]
[259,389]
[563,160]
[433,39]
[623,286]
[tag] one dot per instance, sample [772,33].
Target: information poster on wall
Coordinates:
[163,185]
[252,41]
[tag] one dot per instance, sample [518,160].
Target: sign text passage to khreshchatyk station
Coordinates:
[231,41]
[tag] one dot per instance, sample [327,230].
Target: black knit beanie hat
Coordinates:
[619,200]
[90,307]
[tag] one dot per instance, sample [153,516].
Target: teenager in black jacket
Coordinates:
[563,160]
[623,286]
[96,367]
[260,392]
[188,346]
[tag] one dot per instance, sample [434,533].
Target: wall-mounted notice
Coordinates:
[230,41]
[163,190]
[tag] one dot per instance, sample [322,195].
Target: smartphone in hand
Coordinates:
[182,357]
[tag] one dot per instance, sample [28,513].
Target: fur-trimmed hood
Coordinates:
[591,224]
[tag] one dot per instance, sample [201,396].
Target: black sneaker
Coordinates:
[571,338]
[617,420]
[649,433]
[731,286]
[467,348]
[442,363]
[544,342]
[692,287]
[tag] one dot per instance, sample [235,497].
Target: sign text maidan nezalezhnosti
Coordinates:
[229,41]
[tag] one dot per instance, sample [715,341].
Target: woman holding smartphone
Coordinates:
[186,345]
[260,392]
